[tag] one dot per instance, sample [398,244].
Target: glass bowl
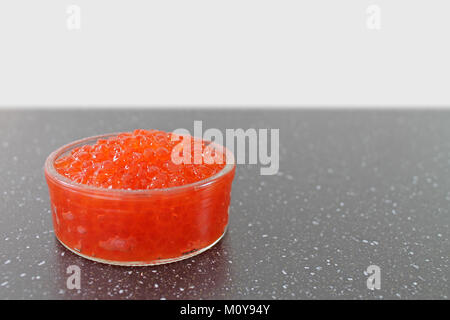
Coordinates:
[138,227]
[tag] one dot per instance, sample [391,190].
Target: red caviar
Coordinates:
[121,199]
[137,160]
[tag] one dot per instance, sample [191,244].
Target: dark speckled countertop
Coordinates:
[355,188]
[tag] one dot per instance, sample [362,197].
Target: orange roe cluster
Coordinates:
[137,160]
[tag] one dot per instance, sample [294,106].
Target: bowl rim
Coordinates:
[58,178]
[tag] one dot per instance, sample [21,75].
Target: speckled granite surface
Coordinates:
[355,188]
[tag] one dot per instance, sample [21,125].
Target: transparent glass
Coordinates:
[138,227]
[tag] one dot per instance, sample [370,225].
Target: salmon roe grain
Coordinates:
[136,160]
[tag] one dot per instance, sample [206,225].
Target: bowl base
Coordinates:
[145,263]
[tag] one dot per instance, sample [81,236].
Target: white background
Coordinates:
[225,53]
